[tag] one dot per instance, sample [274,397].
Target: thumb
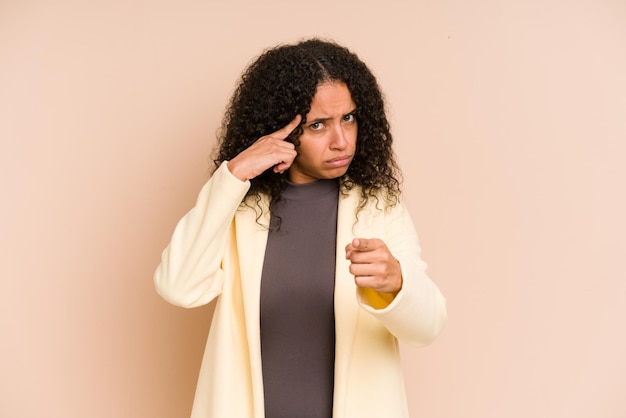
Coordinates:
[360,244]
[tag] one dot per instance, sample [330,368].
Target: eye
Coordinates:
[349,118]
[316,126]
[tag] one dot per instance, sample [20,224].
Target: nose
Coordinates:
[339,139]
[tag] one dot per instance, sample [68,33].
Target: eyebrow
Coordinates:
[324,119]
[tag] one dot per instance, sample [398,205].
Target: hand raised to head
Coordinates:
[268,151]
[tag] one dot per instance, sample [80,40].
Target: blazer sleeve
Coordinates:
[190,273]
[418,313]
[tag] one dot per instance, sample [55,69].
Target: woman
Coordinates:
[301,236]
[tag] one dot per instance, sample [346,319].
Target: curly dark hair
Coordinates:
[280,84]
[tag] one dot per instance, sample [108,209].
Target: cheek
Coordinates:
[353,141]
[309,151]
[304,155]
[353,134]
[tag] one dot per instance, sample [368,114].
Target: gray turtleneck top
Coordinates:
[297,314]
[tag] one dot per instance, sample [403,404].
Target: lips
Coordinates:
[340,161]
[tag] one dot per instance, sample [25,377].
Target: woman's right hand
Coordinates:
[268,151]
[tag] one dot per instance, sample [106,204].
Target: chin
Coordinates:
[337,173]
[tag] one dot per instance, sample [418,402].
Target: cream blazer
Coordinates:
[217,251]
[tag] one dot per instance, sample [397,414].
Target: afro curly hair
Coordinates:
[280,84]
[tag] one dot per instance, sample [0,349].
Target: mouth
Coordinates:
[340,161]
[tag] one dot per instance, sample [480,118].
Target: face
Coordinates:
[328,141]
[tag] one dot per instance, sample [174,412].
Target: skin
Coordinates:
[373,266]
[327,146]
[328,140]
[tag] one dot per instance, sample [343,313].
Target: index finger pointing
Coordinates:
[284,132]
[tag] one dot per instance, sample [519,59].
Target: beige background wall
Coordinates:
[510,119]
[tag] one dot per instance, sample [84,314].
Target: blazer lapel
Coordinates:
[251,236]
[346,308]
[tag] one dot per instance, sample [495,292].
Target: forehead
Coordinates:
[332,97]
